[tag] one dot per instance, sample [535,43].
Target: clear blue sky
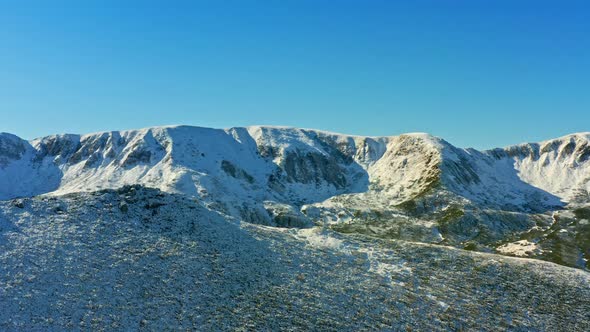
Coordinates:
[478,73]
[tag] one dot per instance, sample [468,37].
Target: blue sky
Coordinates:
[478,73]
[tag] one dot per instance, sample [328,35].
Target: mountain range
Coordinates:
[307,193]
[414,186]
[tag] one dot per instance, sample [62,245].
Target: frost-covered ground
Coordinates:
[139,258]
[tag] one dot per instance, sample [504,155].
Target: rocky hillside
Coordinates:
[414,187]
[141,259]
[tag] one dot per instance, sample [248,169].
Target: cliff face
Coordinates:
[559,166]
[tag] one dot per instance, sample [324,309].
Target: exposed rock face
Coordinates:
[313,168]
[235,172]
[409,167]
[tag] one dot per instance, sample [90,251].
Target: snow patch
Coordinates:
[520,248]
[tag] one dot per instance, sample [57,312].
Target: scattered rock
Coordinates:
[59,210]
[124,207]
[19,203]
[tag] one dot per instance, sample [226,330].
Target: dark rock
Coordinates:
[137,156]
[19,203]
[59,210]
[123,207]
[235,172]
[154,205]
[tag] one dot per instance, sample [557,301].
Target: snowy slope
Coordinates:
[559,166]
[21,172]
[81,262]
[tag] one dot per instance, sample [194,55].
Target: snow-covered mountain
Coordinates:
[172,227]
[412,186]
[295,164]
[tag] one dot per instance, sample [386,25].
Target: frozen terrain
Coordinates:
[276,228]
[107,261]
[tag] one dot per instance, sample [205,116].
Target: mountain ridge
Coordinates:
[365,150]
